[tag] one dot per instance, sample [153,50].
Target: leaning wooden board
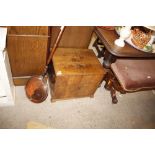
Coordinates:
[27,48]
[73,36]
[27,54]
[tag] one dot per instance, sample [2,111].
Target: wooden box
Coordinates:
[78,73]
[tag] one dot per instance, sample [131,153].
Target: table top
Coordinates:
[108,37]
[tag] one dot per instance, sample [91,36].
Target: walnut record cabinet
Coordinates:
[78,73]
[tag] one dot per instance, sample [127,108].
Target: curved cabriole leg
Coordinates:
[109,85]
[113,95]
[108,81]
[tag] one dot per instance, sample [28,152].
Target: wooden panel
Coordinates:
[20,81]
[76,86]
[28,30]
[27,55]
[78,73]
[74,36]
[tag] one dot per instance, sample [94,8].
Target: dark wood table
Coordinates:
[113,52]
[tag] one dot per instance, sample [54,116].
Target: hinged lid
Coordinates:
[73,61]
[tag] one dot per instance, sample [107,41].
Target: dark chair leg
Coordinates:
[109,85]
[108,81]
[113,95]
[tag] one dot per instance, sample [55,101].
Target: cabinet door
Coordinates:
[27,54]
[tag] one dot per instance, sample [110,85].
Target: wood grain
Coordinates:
[76,61]
[20,81]
[27,55]
[78,73]
[73,37]
[28,30]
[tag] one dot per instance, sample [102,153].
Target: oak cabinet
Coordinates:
[78,73]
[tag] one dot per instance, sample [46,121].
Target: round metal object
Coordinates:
[37,89]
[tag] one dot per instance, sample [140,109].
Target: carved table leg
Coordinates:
[108,81]
[108,59]
[109,85]
[113,95]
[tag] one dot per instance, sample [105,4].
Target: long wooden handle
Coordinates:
[56,44]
